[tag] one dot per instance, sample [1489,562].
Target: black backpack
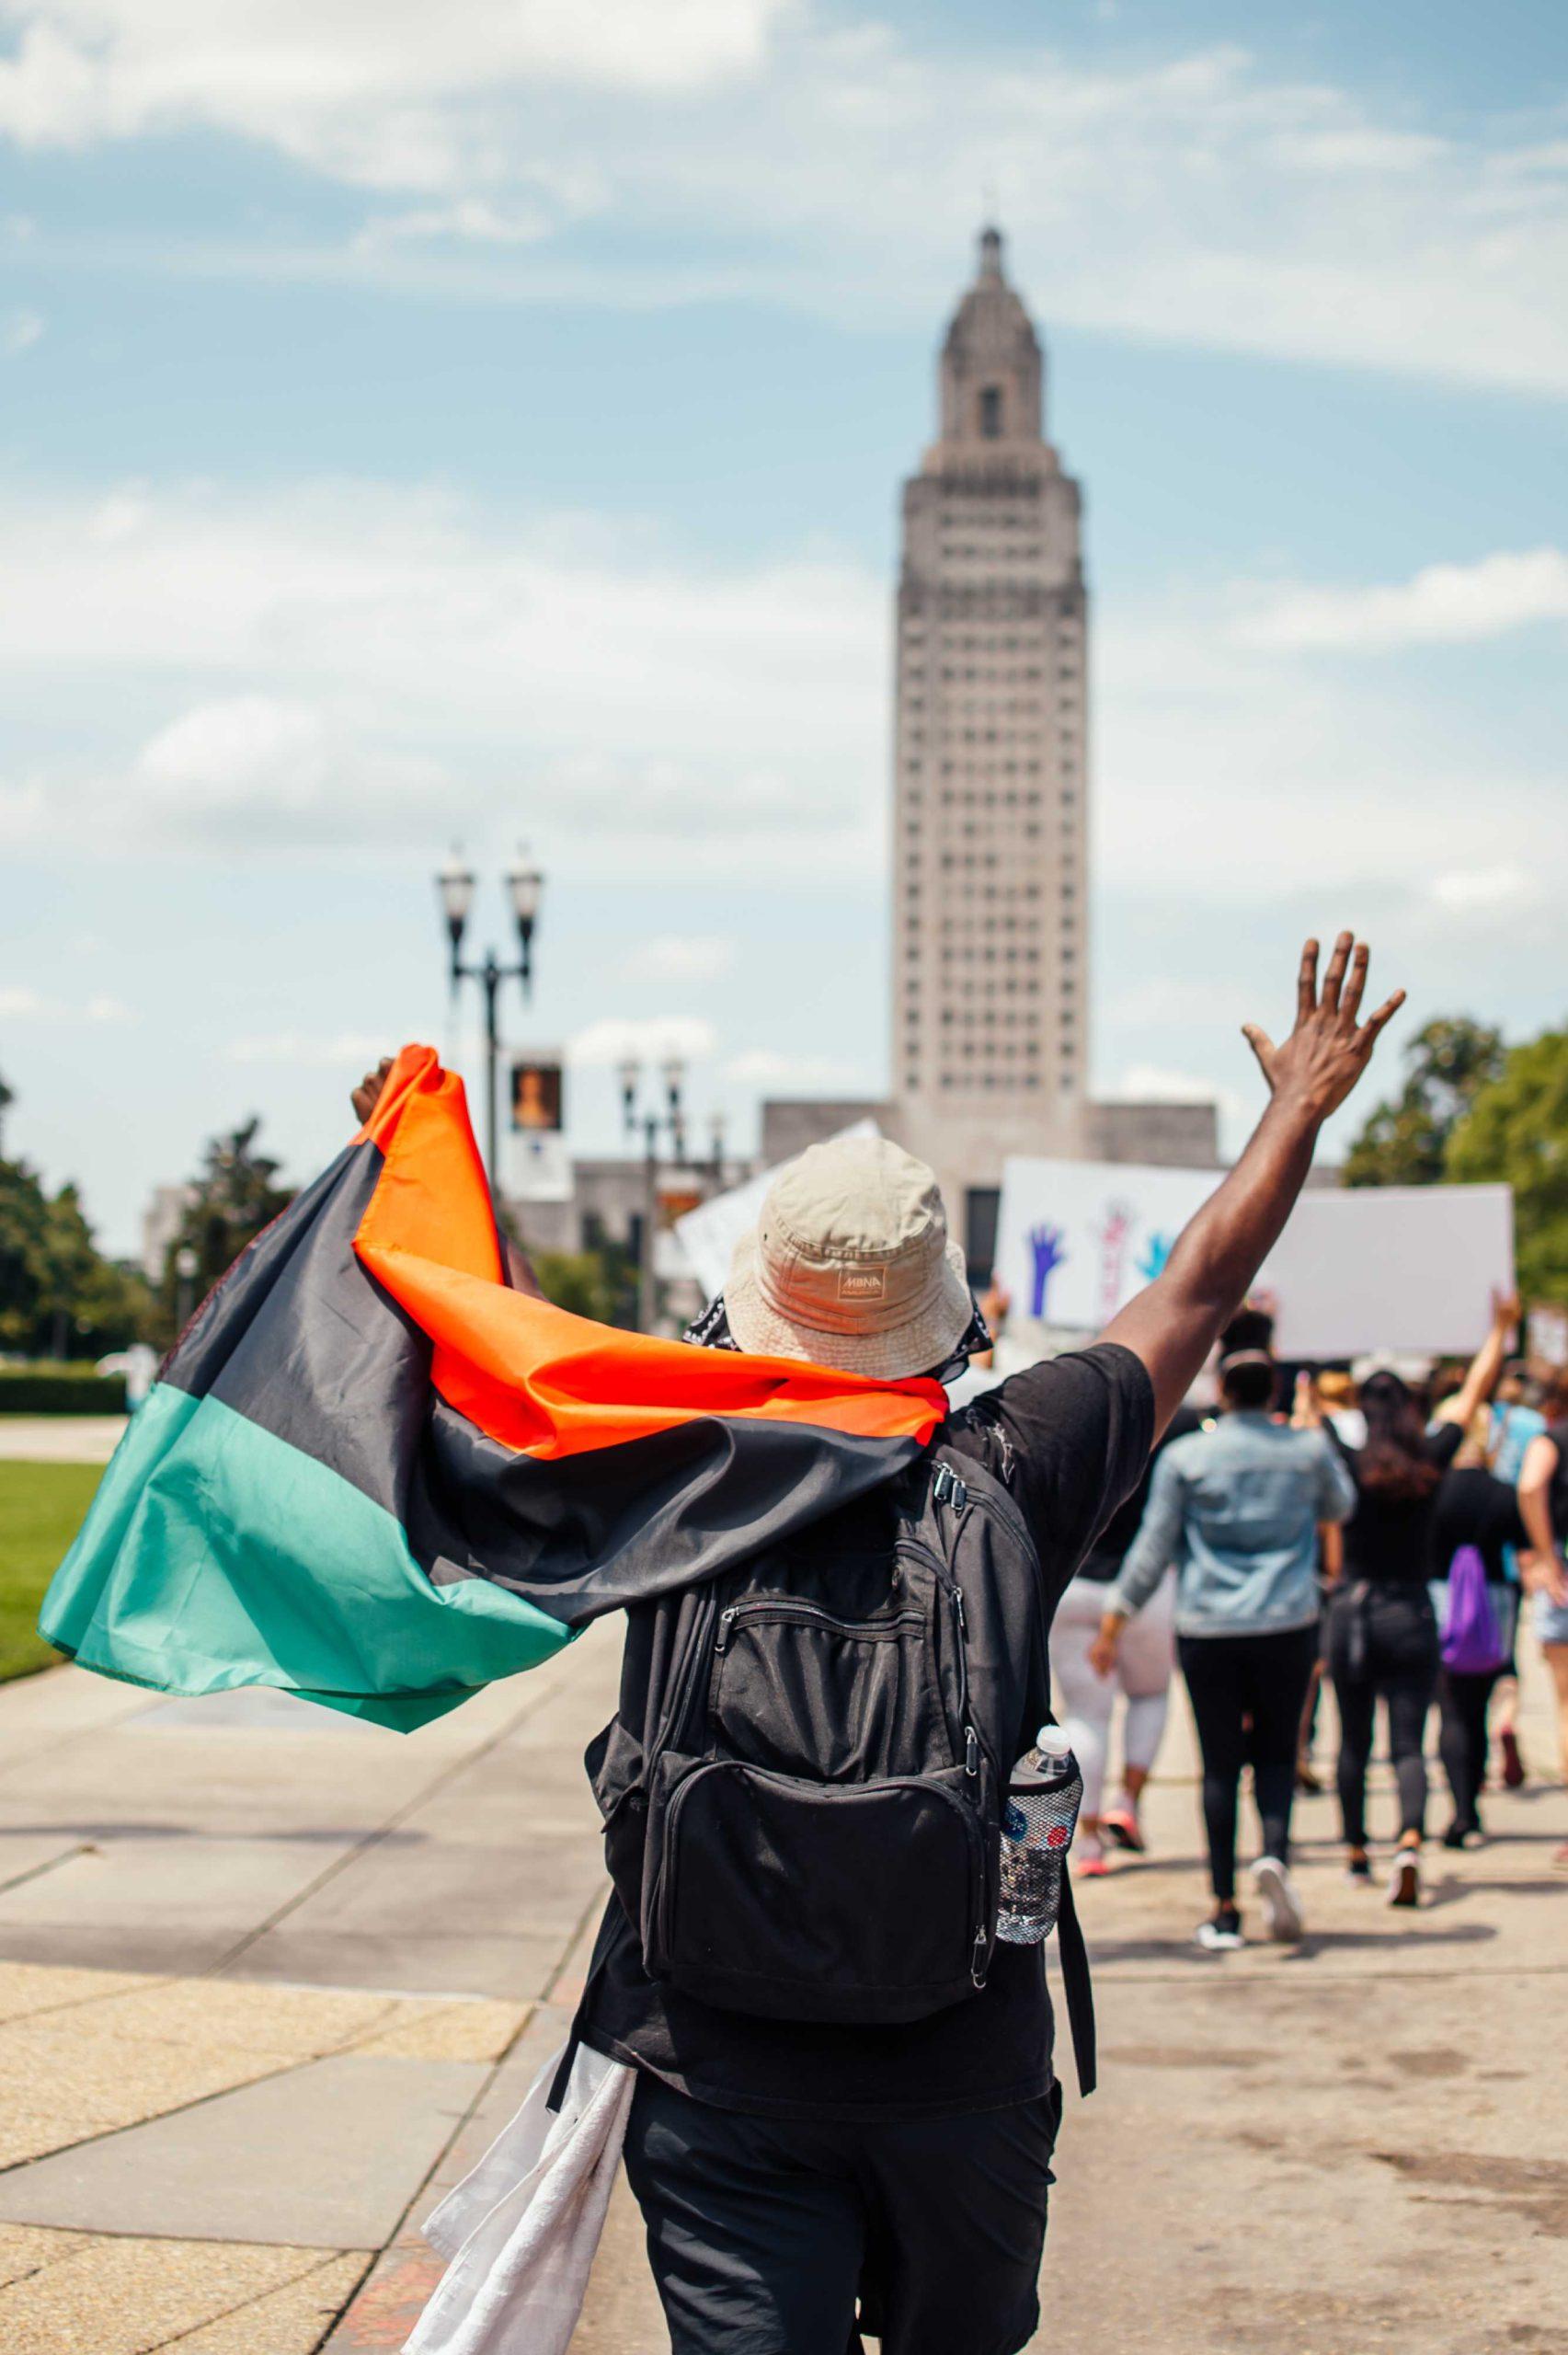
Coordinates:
[802,1789]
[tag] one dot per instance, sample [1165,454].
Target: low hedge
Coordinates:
[60,1390]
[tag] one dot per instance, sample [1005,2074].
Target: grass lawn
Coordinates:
[41,1510]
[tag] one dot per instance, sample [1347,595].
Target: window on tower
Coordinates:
[990,412]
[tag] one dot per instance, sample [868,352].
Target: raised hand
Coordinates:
[1320,1062]
[1046,1243]
[1156,1251]
[367,1095]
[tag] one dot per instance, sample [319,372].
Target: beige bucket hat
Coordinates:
[850,1265]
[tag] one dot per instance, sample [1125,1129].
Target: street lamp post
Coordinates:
[653,1121]
[525,886]
[186,1268]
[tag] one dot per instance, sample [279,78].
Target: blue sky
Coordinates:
[487,422]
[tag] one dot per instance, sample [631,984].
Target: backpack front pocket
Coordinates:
[797,1689]
[809,1900]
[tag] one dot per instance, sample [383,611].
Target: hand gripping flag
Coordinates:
[373,1473]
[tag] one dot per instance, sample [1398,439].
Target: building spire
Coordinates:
[991,371]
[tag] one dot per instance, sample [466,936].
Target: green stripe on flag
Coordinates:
[216,1555]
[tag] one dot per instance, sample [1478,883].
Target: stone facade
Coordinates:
[1171,1136]
[989,1049]
[990,1041]
[990,811]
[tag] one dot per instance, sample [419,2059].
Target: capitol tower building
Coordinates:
[990,988]
[990,780]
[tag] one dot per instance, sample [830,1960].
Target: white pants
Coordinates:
[1144,1662]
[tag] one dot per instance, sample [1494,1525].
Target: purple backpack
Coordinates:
[1472,1642]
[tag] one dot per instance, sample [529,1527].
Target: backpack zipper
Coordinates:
[690,1669]
[974,1749]
[811,1614]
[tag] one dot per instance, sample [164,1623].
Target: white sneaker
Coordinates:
[1218,1937]
[1282,1912]
[1405,1880]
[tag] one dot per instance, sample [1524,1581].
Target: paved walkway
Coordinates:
[1358,2144]
[60,1439]
[259,1968]
[268,1979]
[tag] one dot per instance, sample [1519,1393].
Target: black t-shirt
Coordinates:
[1475,1509]
[1078,1433]
[1389,1538]
[1102,1563]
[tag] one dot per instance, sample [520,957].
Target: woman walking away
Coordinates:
[1383,1641]
[1144,1664]
[1237,1507]
[1543,1507]
[1475,1526]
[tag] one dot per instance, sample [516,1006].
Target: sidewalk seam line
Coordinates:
[399,2229]
[324,2258]
[373,1839]
[268,2076]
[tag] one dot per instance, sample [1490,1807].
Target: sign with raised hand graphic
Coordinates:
[1383,1267]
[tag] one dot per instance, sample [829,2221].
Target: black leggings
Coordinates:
[1247,1693]
[1383,1645]
[1462,1703]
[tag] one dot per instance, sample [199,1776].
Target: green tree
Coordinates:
[234,1198]
[602,1283]
[59,1296]
[1404,1141]
[1516,1129]
[24,1217]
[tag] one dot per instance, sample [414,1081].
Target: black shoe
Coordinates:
[1222,1933]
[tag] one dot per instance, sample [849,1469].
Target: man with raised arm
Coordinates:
[802,2179]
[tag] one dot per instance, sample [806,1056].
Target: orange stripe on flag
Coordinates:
[532,1375]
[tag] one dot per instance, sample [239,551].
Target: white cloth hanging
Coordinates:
[521,2230]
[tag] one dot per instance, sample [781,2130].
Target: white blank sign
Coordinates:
[1405,1268]
[1409,1268]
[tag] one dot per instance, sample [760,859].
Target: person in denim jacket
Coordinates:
[1237,1507]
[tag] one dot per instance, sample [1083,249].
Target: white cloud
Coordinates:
[1441,604]
[691,957]
[769,1071]
[1199,199]
[651,1040]
[1220,770]
[21,331]
[1486,891]
[400,95]
[373,668]
[472,218]
[20,1002]
[349,1050]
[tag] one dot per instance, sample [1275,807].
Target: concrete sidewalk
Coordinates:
[60,1439]
[270,1979]
[258,1967]
[1358,2143]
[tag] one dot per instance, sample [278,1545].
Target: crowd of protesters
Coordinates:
[1387,1531]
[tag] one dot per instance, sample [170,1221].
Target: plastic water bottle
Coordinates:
[1038,1820]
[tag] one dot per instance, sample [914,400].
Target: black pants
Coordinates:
[1462,1704]
[762,2233]
[1247,1693]
[1383,1645]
